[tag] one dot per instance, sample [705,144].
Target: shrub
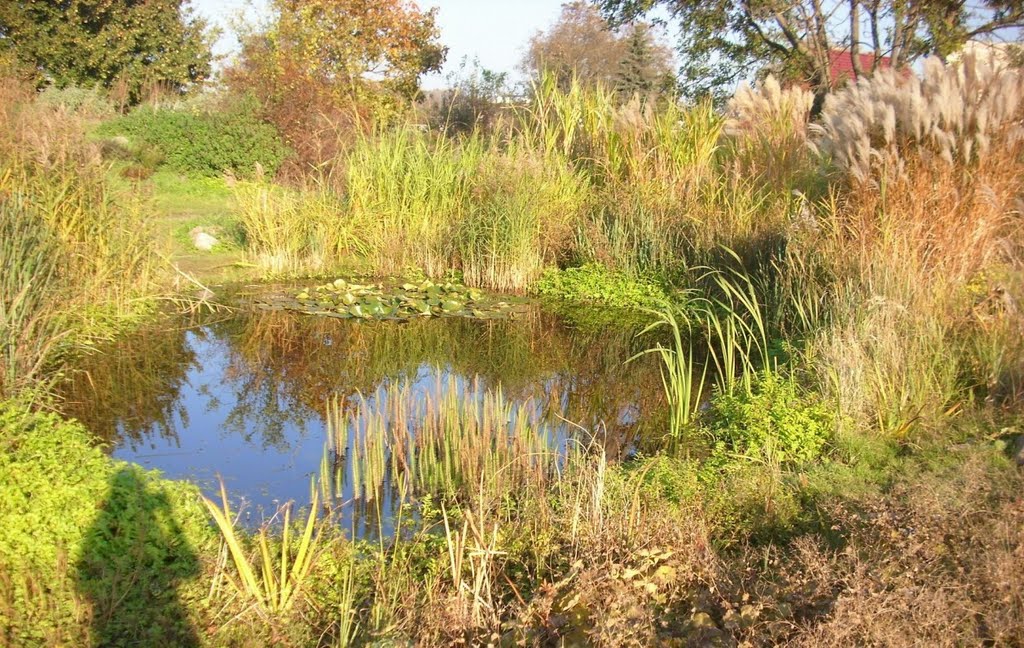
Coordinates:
[594,283]
[202,143]
[84,534]
[88,102]
[773,422]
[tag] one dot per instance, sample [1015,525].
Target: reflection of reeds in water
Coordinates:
[450,439]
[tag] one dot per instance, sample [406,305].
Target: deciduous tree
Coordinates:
[583,44]
[131,44]
[723,41]
[318,66]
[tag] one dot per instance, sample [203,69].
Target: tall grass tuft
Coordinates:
[299,230]
[576,176]
[77,255]
[28,294]
[931,228]
[411,189]
[498,211]
[282,571]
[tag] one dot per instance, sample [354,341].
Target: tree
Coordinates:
[581,43]
[476,97]
[644,69]
[321,66]
[130,44]
[724,41]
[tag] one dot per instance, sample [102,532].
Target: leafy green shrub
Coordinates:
[772,421]
[85,535]
[594,283]
[669,478]
[202,143]
[89,102]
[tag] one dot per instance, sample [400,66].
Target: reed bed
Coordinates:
[574,176]
[452,439]
[77,254]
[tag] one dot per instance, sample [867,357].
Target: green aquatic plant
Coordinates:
[282,573]
[679,371]
[595,284]
[406,301]
[737,330]
[452,440]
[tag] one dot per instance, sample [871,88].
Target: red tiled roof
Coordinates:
[841,64]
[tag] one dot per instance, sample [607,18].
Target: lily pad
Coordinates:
[341,298]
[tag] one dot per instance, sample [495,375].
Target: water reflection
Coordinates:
[245,396]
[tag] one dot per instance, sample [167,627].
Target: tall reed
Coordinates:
[77,255]
[451,440]
[28,293]
[736,325]
[296,230]
[683,389]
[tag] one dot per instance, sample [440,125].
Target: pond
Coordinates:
[265,399]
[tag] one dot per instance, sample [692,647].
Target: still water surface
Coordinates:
[243,396]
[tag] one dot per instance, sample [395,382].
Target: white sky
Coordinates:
[494,31]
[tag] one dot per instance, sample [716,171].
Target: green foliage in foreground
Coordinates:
[594,283]
[774,422]
[85,536]
[202,143]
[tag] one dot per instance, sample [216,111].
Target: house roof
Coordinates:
[841,64]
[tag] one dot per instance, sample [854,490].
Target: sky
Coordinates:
[493,31]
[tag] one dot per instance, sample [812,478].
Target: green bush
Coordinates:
[596,284]
[202,143]
[774,421]
[89,102]
[91,542]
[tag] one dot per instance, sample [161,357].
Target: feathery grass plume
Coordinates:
[957,112]
[905,349]
[766,131]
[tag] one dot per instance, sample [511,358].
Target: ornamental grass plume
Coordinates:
[955,113]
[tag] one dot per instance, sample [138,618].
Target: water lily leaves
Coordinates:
[340,298]
[419,306]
